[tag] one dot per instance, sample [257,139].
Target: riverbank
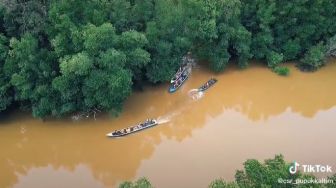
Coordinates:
[65,57]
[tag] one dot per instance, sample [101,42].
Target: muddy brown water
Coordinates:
[251,113]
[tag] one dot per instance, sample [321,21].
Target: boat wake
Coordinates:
[167,118]
[162,120]
[195,94]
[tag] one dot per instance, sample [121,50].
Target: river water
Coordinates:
[251,113]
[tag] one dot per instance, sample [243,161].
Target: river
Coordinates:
[250,113]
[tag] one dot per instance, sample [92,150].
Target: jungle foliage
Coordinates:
[58,57]
[271,173]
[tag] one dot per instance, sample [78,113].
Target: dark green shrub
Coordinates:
[282,71]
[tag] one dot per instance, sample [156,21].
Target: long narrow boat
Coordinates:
[178,83]
[133,129]
[208,84]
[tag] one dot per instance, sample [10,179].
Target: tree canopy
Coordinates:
[58,57]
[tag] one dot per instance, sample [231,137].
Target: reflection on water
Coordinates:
[44,177]
[250,113]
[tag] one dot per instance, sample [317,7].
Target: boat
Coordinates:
[179,73]
[207,85]
[133,129]
[178,83]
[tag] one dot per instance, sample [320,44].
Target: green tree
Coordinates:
[258,18]
[131,14]
[68,20]
[5,93]
[31,71]
[222,184]
[25,16]
[256,174]
[287,27]
[100,76]
[282,71]
[141,183]
[314,58]
[167,38]
[291,49]
[274,59]
[133,43]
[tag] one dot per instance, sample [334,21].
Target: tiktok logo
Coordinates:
[310,168]
[294,168]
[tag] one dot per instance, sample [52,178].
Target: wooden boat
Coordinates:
[179,73]
[178,83]
[208,84]
[133,129]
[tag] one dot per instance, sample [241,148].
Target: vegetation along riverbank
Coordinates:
[271,173]
[60,57]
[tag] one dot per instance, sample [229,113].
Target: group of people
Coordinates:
[180,79]
[134,128]
[179,72]
[182,72]
[208,84]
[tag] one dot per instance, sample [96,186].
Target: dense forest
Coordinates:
[58,57]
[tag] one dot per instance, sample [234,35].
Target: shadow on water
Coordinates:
[12,114]
[4,118]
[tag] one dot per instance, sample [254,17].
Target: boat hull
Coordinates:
[211,83]
[111,135]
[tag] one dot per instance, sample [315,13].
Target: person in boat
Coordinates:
[177,76]
[179,71]
[184,75]
[179,81]
[176,83]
